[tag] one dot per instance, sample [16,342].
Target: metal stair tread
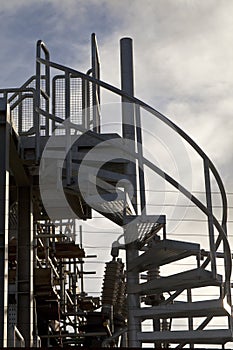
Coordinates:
[188,279]
[215,307]
[113,208]
[164,252]
[216,336]
[143,225]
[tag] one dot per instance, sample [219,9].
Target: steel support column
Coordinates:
[25,265]
[132,300]
[4,211]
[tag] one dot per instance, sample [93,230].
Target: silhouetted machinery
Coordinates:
[57,165]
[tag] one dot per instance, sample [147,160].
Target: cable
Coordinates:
[184,206]
[189,234]
[176,219]
[177,191]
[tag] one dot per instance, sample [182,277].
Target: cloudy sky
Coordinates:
[182,52]
[183,57]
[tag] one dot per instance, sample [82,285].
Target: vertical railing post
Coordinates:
[86,102]
[140,160]
[88,105]
[210,217]
[190,319]
[20,114]
[4,216]
[68,130]
[54,102]
[84,110]
[41,46]
[38,88]
[47,88]
[95,62]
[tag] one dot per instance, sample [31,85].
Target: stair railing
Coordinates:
[208,167]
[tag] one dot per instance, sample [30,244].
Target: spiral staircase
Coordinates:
[90,183]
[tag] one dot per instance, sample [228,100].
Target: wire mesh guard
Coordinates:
[67,101]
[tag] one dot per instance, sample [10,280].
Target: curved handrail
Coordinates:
[221,228]
[29,92]
[174,183]
[159,116]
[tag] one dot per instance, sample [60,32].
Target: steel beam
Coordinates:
[25,265]
[4,221]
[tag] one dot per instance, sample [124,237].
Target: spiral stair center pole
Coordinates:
[128,133]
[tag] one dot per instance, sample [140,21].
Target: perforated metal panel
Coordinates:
[26,114]
[12,314]
[76,105]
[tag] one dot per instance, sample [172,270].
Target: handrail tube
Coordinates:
[68,141]
[41,47]
[201,206]
[23,88]
[167,177]
[20,112]
[84,96]
[182,189]
[18,92]
[210,217]
[37,120]
[18,335]
[20,99]
[25,85]
[140,160]
[44,94]
[160,116]
[95,70]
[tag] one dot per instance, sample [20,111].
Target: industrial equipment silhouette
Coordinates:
[57,165]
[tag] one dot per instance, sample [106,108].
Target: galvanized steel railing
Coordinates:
[43,122]
[208,167]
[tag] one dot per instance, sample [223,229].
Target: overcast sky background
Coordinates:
[183,56]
